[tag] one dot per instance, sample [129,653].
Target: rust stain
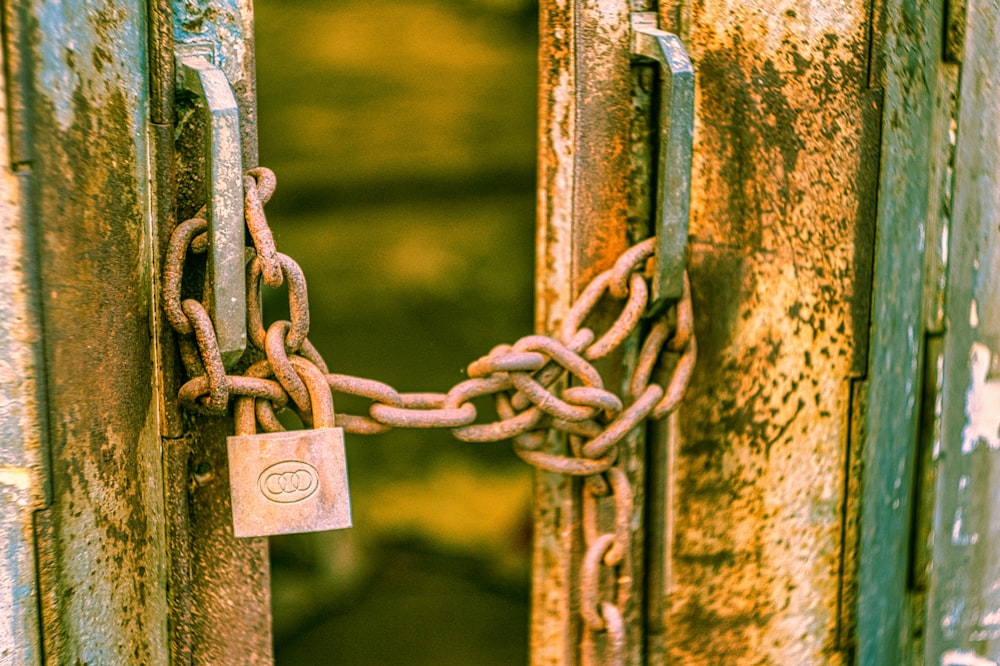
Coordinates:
[781,291]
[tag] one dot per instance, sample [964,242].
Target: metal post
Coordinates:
[584,159]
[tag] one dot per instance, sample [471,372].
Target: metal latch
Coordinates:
[197,74]
[673,168]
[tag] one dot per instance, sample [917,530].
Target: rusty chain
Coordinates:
[520,378]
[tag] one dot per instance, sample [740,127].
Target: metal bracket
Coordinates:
[673,193]
[224,205]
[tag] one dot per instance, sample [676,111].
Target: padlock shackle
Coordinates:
[320,395]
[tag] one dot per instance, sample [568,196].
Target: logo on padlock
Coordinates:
[288,481]
[291,481]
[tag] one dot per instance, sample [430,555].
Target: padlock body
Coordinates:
[287,482]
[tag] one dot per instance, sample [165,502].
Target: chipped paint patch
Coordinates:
[938,404]
[991,618]
[957,536]
[951,616]
[15,477]
[964,658]
[982,404]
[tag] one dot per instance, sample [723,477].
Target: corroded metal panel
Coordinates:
[963,574]
[782,217]
[22,459]
[101,547]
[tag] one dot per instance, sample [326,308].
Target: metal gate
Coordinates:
[824,494]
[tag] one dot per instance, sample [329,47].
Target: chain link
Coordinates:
[539,384]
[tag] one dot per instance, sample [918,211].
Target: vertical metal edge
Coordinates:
[929,440]
[944,131]
[17,73]
[930,436]
[853,448]
[663,439]
[912,48]
[160,37]
[176,456]
[54,645]
[169,370]
[602,61]
[646,217]
[601,193]
[24,487]
[245,87]
[954,36]
[554,629]
[651,443]
[162,202]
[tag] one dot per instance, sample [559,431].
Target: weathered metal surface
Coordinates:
[585,86]
[912,54]
[219,585]
[963,572]
[224,608]
[163,195]
[101,546]
[782,214]
[944,122]
[22,453]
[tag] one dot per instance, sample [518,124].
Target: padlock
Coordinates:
[291,481]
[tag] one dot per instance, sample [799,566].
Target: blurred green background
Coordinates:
[402,134]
